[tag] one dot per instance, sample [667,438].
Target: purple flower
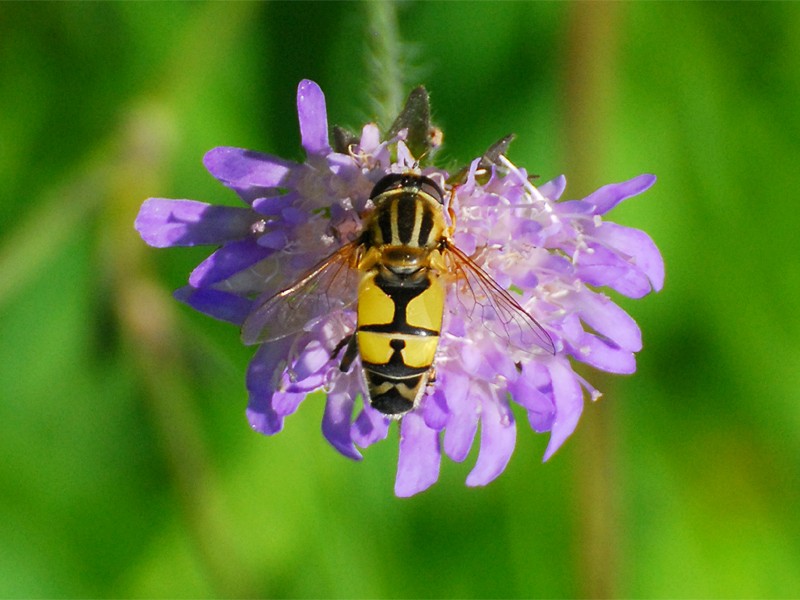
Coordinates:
[552,254]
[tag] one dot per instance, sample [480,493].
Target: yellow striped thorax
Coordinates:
[401,294]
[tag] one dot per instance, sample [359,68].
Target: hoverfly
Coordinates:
[397,273]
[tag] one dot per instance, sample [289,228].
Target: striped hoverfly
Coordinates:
[397,272]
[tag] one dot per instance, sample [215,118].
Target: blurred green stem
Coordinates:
[151,336]
[590,88]
[147,313]
[64,213]
[385,60]
[113,182]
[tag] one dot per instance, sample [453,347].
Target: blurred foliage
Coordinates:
[128,467]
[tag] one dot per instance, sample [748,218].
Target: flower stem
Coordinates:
[385,57]
[151,338]
[147,318]
[590,90]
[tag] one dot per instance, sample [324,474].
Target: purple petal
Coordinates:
[287,403]
[214,303]
[603,354]
[453,384]
[261,381]
[500,362]
[370,138]
[554,188]
[638,245]
[541,422]
[294,216]
[346,169]
[498,438]
[608,196]
[569,404]
[466,241]
[464,415]
[250,174]
[369,427]
[313,118]
[530,390]
[264,420]
[273,205]
[308,371]
[163,223]
[604,267]
[434,409]
[575,208]
[227,261]
[420,456]
[595,350]
[311,383]
[608,319]
[336,420]
[473,361]
[274,240]
[533,389]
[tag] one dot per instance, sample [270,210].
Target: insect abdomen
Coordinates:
[399,321]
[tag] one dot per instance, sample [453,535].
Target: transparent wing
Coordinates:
[251,281]
[488,305]
[330,286]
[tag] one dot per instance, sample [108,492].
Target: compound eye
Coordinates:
[430,187]
[390,181]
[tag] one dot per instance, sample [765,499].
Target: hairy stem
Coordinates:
[385,60]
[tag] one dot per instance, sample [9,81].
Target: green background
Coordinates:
[128,468]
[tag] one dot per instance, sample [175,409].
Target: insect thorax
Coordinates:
[408,213]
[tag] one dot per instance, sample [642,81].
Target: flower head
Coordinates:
[552,255]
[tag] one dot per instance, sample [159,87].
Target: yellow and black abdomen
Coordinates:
[399,320]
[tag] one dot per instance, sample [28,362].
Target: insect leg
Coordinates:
[349,353]
[345,340]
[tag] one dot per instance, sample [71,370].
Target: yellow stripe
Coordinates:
[426,310]
[374,306]
[419,208]
[429,198]
[395,235]
[374,347]
[420,351]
